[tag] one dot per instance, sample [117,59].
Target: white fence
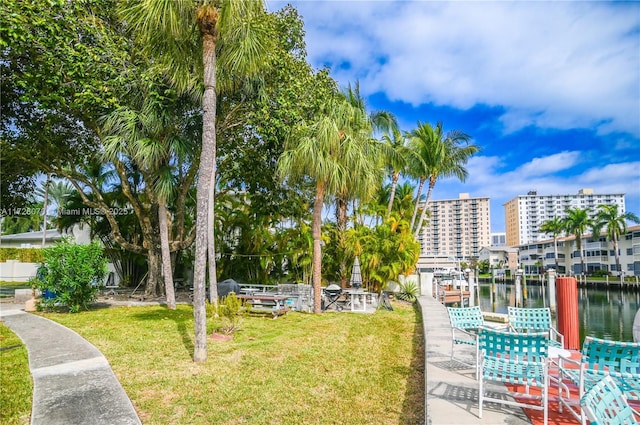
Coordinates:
[16,271]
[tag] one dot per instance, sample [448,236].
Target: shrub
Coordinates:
[71,274]
[409,291]
[229,310]
[24,255]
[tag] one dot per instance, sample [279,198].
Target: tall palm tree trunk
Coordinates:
[555,252]
[583,270]
[317,247]
[615,251]
[166,255]
[415,208]
[205,170]
[432,184]
[392,195]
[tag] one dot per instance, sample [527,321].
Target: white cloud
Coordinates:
[552,164]
[554,65]
[549,65]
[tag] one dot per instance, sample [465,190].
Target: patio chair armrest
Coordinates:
[465,331]
[555,335]
[562,360]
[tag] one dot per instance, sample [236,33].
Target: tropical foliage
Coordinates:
[614,223]
[576,223]
[555,227]
[72,275]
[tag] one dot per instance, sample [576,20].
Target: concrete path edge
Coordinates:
[73,382]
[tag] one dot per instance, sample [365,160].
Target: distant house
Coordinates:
[13,270]
[79,233]
[500,256]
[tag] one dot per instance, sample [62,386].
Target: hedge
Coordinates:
[24,255]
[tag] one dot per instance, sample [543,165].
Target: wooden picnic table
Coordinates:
[273,303]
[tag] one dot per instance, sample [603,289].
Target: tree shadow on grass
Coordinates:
[413,407]
[182,319]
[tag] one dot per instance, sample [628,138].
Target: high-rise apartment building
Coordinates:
[526,213]
[457,228]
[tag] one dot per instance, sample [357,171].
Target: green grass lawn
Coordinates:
[15,380]
[332,368]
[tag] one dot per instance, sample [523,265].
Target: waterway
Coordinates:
[603,313]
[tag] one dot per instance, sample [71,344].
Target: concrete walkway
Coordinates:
[72,381]
[450,387]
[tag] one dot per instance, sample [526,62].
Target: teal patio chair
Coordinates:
[619,360]
[465,323]
[522,319]
[605,404]
[519,359]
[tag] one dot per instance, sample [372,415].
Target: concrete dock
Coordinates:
[451,389]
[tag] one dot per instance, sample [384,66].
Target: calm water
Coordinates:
[602,313]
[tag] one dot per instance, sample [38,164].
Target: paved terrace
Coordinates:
[451,388]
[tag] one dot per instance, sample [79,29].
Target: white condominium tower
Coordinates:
[458,228]
[526,213]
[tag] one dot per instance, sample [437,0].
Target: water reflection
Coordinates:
[602,313]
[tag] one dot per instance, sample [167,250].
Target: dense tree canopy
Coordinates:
[95,93]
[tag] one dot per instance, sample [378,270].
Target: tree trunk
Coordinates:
[317,247]
[167,270]
[579,241]
[205,171]
[432,184]
[555,252]
[615,251]
[415,208]
[153,287]
[392,195]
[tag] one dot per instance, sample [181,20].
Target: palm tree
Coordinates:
[322,151]
[397,158]
[416,169]
[554,227]
[443,156]
[609,217]
[576,222]
[151,140]
[362,158]
[181,31]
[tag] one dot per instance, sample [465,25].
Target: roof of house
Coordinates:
[500,248]
[52,235]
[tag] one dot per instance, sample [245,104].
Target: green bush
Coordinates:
[409,291]
[229,311]
[71,275]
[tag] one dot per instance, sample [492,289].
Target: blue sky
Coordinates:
[550,91]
